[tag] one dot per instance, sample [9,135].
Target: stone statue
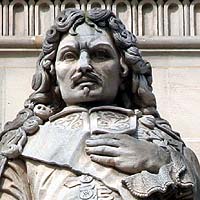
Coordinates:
[91,129]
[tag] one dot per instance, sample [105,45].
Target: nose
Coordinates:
[84,62]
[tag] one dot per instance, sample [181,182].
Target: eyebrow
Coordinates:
[92,45]
[100,44]
[73,45]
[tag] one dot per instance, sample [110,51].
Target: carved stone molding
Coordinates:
[18,12]
[142,17]
[156,42]
[44,12]
[70,4]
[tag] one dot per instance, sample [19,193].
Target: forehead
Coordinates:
[86,35]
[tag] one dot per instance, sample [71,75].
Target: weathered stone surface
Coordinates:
[93,114]
[177,91]
[12,83]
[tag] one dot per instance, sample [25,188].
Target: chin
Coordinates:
[95,98]
[91,95]
[86,96]
[83,96]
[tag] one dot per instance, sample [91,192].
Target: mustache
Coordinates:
[89,76]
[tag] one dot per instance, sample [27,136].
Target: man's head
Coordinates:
[91,57]
[88,67]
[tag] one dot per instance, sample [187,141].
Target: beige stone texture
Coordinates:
[16,70]
[177,91]
[17,88]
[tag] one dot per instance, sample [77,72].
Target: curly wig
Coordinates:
[135,91]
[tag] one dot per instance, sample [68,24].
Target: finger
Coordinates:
[103,160]
[106,135]
[102,150]
[105,141]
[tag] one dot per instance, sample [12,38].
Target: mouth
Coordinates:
[89,80]
[85,80]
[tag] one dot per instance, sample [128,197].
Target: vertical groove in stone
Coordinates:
[1,20]
[83,4]
[186,8]
[194,18]
[134,17]
[5,4]
[160,17]
[57,5]
[140,28]
[31,17]
[192,22]
[108,4]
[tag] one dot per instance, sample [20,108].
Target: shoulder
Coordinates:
[159,131]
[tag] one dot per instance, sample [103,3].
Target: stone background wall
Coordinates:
[168,36]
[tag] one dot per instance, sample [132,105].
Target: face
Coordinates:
[87,67]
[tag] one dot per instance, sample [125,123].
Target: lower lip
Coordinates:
[86,84]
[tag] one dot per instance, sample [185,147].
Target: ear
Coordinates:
[124,67]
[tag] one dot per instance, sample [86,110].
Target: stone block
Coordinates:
[17,89]
[21,59]
[177,91]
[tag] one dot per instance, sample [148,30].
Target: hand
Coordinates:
[125,153]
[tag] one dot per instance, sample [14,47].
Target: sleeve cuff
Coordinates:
[174,174]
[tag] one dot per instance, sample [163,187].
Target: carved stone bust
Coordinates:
[91,129]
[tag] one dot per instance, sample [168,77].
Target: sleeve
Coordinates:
[194,167]
[179,179]
[14,184]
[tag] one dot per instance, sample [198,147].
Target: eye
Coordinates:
[69,56]
[101,54]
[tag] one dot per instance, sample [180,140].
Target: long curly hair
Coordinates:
[138,94]
[135,91]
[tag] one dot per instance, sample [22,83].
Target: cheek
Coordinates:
[62,70]
[110,71]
